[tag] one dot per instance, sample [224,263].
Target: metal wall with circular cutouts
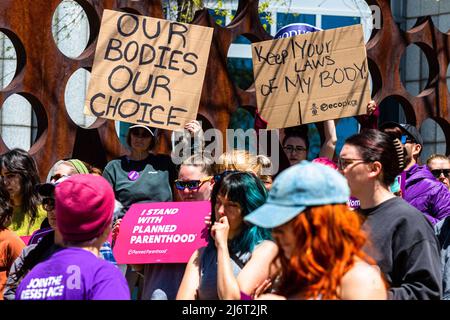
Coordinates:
[43,71]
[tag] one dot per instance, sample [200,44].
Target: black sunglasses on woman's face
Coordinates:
[437,172]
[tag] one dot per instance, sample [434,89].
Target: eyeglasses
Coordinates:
[57,176]
[291,149]
[406,139]
[218,177]
[48,203]
[344,163]
[192,185]
[437,172]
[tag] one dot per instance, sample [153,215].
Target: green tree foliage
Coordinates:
[184,10]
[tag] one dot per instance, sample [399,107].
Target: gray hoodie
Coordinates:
[442,230]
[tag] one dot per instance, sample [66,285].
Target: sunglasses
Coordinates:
[192,185]
[437,172]
[406,139]
[48,203]
[57,176]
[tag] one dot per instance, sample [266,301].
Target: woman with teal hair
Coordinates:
[238,256]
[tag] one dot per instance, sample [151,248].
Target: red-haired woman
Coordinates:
[320,240]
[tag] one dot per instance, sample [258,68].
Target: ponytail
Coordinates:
[400,151]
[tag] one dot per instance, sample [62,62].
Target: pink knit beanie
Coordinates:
[84,207]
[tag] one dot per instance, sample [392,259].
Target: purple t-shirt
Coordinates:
[73,274]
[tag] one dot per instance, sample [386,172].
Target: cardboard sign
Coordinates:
[162,232]
[148,71]
[311,77]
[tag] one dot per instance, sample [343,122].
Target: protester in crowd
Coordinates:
[62,168]
[242,160]
[238,256]
[320,241]
[195,179]
[46,240]
[265,173]
[236,159]
[10,244]
[296,142]
[442,229]
[403,241]
[44,244]
[84,212]
[422,190]
[20,175]
[142,176]
[439,165]
[195,182]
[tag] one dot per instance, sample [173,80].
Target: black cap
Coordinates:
[406,128]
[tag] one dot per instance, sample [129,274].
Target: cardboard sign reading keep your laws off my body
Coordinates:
[148,71]
[312,77]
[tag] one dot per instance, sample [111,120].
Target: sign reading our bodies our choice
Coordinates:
[311,77]
[148,71]
[163,232]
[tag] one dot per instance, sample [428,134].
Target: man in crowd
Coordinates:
[422,190]
[84,211]
[439,166]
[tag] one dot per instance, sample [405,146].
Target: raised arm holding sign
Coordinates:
[311,77]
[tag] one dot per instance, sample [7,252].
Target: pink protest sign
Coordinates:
[162,232]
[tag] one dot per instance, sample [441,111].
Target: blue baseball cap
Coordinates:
[303,185]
